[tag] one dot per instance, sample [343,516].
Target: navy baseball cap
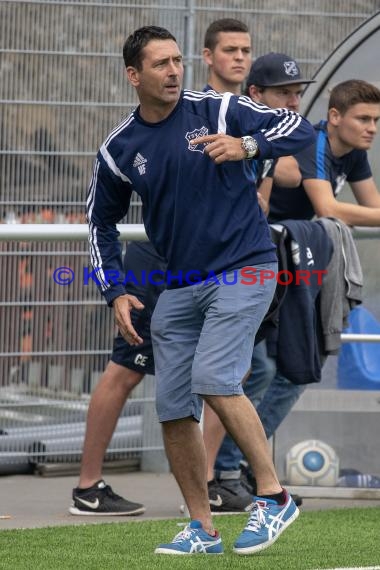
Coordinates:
[275,69]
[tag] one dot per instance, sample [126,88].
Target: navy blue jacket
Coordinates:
[199,216]
[298,351]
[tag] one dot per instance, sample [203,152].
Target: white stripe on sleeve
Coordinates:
[222,127]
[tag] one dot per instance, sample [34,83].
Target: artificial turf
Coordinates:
[320,539]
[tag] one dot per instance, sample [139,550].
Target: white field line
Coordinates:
[353,568]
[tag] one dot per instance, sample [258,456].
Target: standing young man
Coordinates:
[202,216]
[227,53]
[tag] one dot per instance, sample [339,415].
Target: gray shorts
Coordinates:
[203,338]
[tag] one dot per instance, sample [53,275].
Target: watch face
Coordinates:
[250,146]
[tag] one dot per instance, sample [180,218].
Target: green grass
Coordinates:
[323,539]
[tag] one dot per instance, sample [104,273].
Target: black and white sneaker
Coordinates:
[228,496]
[100,500]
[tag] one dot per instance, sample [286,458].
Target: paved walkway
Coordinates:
[29,501]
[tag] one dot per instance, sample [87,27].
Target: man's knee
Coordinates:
[118,375]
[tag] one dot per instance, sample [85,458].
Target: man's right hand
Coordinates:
[123,306]
[221,147]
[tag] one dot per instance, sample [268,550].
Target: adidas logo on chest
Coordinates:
[140,163]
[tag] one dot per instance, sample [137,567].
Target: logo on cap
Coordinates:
[291,68]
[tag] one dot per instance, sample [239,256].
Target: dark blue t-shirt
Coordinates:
[317,162]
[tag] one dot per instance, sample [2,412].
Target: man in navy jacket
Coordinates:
[201,215]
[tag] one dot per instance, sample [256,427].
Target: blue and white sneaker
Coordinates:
[265,524]
[192,540]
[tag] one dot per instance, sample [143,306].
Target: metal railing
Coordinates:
[55,343]
[49,370]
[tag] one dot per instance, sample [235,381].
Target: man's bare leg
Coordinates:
[240,419]
[213,434]
[107,401]
[186,453]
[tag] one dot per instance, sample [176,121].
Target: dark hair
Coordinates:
[223,25]
[351,92]
[135,43]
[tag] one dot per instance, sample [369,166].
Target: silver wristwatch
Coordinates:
[249,144]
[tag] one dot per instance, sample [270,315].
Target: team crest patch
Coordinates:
[202,132]
[291,68]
